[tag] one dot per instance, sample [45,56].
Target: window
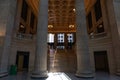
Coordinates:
[50,38]
[98,12]
[24,10]
[70,38]
[32,20]
[61,38]
[89,18]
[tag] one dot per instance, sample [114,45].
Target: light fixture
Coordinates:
[91,33]
[74,10]
[22,26]
[71,26]
[50,26]
[2,31]
[100,26]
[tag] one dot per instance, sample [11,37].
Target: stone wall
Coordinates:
[106,43]
[3,16]
[117,13]
[23,45]
[1,40]
[1,46]
[3,20]
[103,44]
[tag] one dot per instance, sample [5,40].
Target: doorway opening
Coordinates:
[101,61]
[22,60]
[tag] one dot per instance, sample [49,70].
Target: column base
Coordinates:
[85,75]
[40,74]
[3,74]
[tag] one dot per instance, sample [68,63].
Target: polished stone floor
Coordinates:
[62,76]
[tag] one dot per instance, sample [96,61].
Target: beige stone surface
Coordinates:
[110,42]
[103,44]
[7,21]
[84,68]
[40,68]
[117,13]
[23,45]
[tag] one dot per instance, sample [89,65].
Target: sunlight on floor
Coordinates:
[57,76]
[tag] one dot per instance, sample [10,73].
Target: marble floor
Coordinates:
[62,76]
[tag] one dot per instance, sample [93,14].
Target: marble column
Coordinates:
[84,68]
[113,20]
[7,16]
[40,69]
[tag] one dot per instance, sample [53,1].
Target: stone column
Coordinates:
[7,16]
[40,69]
[84,68]
[113,20]
[66,40]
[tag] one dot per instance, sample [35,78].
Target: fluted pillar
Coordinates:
[7,16]
[84,68]
[40,69]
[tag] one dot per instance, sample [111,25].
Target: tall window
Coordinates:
[24,10]
[98,11]
[60,38]
[89,17]
[70,38]
[50,38]
[32,20]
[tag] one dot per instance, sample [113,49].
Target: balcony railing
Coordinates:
[98,35]
[24,36]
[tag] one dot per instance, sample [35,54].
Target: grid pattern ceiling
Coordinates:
[61,14]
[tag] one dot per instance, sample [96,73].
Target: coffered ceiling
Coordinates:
[61,14]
